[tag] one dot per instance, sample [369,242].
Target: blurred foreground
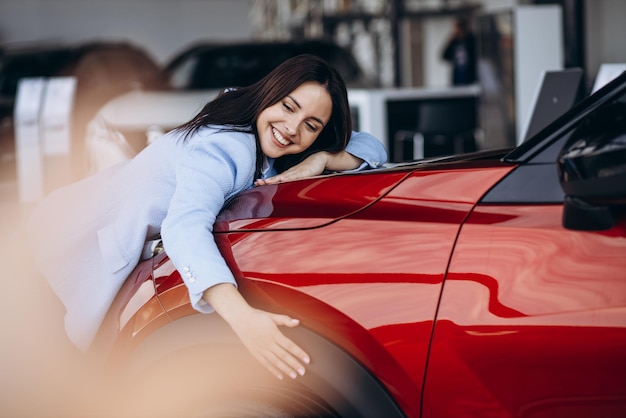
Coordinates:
[42,374]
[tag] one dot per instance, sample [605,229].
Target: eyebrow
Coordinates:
[315,118]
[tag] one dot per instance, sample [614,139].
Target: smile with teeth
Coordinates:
[279,137]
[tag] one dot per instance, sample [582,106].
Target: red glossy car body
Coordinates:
[442,288]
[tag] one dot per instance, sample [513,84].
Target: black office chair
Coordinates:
[447,126]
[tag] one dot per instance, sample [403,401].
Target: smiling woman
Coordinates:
[293,123]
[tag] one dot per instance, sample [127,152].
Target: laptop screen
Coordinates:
[558,91]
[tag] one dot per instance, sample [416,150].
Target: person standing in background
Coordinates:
[460,52]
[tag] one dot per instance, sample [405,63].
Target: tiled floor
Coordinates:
[41,374]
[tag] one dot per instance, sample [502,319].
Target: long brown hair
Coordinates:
[237,109]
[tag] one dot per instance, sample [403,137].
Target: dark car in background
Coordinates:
[211,65]
[490,284]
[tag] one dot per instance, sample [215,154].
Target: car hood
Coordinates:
[317,201]
[307,203]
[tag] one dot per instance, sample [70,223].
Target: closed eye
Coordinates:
[311,127]
[288,107]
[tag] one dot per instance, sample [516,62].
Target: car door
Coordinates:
[532,319]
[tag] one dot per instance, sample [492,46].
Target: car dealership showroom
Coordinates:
[190,191]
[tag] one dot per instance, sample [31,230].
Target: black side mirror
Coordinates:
[592,170]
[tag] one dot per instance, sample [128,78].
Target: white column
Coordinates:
[28,152]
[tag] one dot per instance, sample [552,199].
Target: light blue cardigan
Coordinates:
[88,237]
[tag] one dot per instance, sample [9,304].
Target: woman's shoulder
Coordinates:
[222,134]
[241,146]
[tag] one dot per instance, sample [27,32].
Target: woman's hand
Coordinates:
[258,331]
[314,165]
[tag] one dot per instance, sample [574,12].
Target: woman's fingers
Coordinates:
[285,320]
[269,180]
[284,358]
[288,344]
[260,333]
[286,355]
[269,365]
[311,166]
[283,363]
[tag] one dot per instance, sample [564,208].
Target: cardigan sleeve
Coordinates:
[209,171]
[368,148]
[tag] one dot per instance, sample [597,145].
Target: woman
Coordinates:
[89,236]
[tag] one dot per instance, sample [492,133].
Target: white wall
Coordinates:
[538,48]
[436,32]
[606,32]
[161,26]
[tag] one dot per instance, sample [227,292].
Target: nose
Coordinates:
[289,128]
[292,124]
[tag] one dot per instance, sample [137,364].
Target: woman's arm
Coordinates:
[258,331]
[206,175]
[368,148]
[363,151]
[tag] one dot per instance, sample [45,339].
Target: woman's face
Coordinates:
[294,123]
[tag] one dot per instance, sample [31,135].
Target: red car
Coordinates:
[490,284]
